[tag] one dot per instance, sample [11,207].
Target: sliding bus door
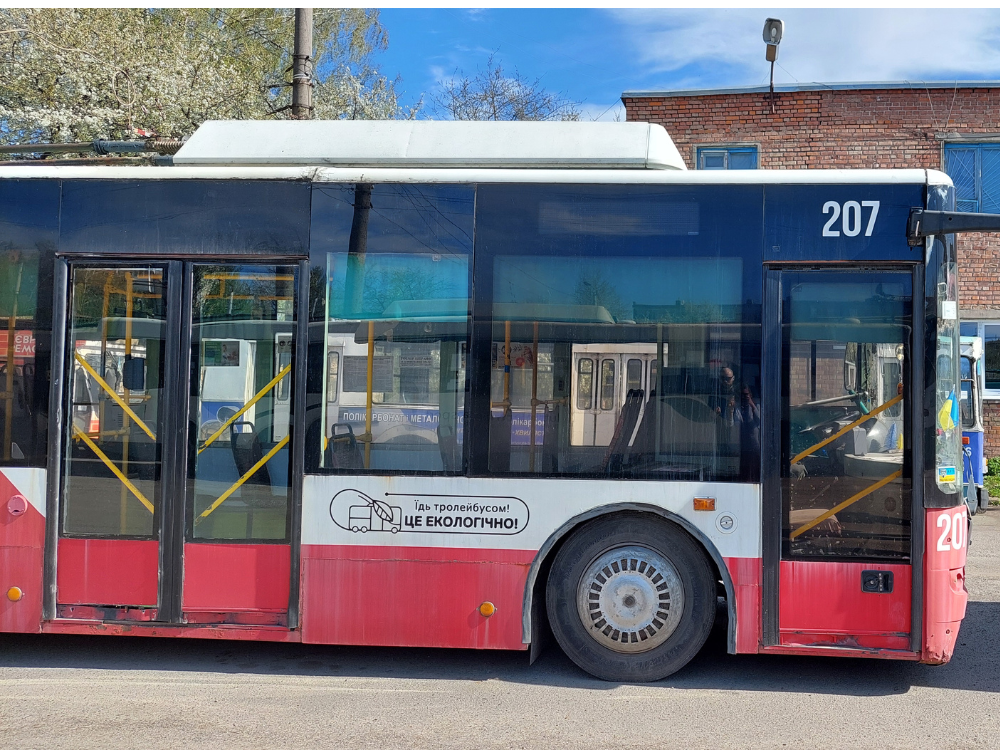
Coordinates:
[176,492]
[108,550]
[237,552]
[842,353]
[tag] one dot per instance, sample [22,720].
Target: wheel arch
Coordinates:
[532,621]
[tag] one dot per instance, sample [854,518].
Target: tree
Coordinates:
[80,74]
[492,95]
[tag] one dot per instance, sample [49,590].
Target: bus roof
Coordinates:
[430,143]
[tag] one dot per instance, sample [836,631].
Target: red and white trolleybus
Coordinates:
[453,384]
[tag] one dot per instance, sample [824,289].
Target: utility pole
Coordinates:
[302,62]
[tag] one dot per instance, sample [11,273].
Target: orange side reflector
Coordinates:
[704,503]
[965,440]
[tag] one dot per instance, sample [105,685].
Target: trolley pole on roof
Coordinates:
[302,65]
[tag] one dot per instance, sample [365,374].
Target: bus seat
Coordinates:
[247,451]
[625,426]
[342,449]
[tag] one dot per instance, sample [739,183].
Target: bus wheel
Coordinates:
[630,599]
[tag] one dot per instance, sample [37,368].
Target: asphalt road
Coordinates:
[76,691]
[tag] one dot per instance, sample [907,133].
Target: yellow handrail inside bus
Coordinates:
[809,451]
[114,469]
[115,397]
[260,394]
[849,501]
[239,482]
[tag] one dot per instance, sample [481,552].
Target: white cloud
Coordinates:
[720,47]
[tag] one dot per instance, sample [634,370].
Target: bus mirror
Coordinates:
[134,374]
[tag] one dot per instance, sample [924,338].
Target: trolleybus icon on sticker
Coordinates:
[364,513]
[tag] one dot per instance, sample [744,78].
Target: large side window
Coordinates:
[29,220]
[591,288]
[390,295]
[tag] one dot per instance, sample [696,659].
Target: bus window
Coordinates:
[633,375]
[579,284]
[284,358]
[241,331]
[397,319]
[967,397]
[843,492]
[607,385]
[585,383]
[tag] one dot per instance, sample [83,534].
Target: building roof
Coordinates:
[795,87]
[431,144]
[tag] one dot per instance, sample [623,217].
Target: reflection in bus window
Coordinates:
[397,260]
[332,375]
[116,326]
[284,359]
[242,328]
[843,488]
[628,429]
[633,375]
[607,385]
[585,383]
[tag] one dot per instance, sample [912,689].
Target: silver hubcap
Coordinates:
[630,599]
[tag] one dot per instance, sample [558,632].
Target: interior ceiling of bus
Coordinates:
[426,143]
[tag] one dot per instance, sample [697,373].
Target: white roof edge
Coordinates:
[432,144]
[937,177]
[456,175]
[157,173]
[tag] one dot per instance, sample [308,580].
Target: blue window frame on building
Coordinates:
[727,157]
[975,170]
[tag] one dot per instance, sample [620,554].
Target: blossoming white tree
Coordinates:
[81,74]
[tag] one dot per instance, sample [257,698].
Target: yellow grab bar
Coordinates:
[849,501]
[115,470]
[809,451]
[260,394]
[239,482]
[111,392]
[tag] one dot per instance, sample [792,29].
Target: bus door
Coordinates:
[596,375]
[176,498]
[839,498]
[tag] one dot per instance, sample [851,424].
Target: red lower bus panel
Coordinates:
[22,544]
[236,577]
[746,573]
[112,572]
[413,596]
[945,595]
[210,632]
[821,603]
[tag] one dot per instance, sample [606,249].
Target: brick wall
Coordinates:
[991,428]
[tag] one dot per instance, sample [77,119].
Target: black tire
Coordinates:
[596,653]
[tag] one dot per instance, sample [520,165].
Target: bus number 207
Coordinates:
[850,216]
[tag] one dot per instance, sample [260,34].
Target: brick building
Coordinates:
[954,127]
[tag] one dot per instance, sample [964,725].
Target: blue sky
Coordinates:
[592,55]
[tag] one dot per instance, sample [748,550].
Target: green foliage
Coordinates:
[75,74]
[993,465]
